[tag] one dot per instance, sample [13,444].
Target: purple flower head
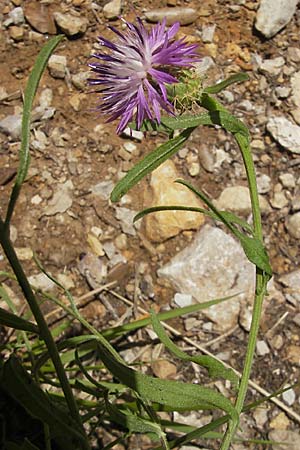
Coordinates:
[133,71]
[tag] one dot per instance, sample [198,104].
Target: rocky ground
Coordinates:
[65,216]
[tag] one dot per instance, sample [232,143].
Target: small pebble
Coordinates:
[182,300]
[289,397]
[57,65]
[262,348]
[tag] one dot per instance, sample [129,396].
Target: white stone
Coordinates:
[291,281]
[46,98]
[36,200]
[279,200]
[61,200]
[272,66]
[289,397]
[163,191]
[260,415]
[263,183]
[182,300]
[286,439]
[282,91]
[112,9]
[57,65]
[237,199]
[295,83]
[292,224]
[213,266]
[204,65]
[70,24]
[103,189]
[41,281]
[125,216]
[12,125]
[79,79]
[262,348]
[285,132]
[208,32]
[273,15]
[135,134]
[287,180]
[16,15]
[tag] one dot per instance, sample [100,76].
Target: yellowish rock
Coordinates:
[24,253]
[280,422]
[164,191]
[95,245]
[162,368]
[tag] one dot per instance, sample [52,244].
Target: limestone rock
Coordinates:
[286,439]
[272,15]
[272,66]
[295,83]
[213,266]
[285,132]
[12,125]
[112,10]
[57,65]
[237,199]
[164,191]
[61,200]
[70,24]
[292,224]
[183,15]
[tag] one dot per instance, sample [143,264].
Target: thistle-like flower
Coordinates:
[133,72]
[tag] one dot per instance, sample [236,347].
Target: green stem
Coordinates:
[43,327]
[260,289]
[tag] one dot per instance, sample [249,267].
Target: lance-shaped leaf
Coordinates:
[230,217]
[30,91]
[18,323]
[236,78]
[148,164]
[253,247]
[215,368]
[176,394]
[131,422]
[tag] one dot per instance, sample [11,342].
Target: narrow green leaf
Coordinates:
[253,247]
[113,332]
[176,394]
[236,78]
[148,164]
[256,253]
[215,368]
[11,320]
[131,422]
[232,218]
[30,91]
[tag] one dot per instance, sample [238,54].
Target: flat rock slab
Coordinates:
[213,266]
[285,132]
[273,15]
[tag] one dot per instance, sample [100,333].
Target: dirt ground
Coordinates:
[73,151]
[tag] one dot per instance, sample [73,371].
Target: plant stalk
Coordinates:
[261,280]
[43,327]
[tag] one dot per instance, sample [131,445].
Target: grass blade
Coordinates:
[30,91]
